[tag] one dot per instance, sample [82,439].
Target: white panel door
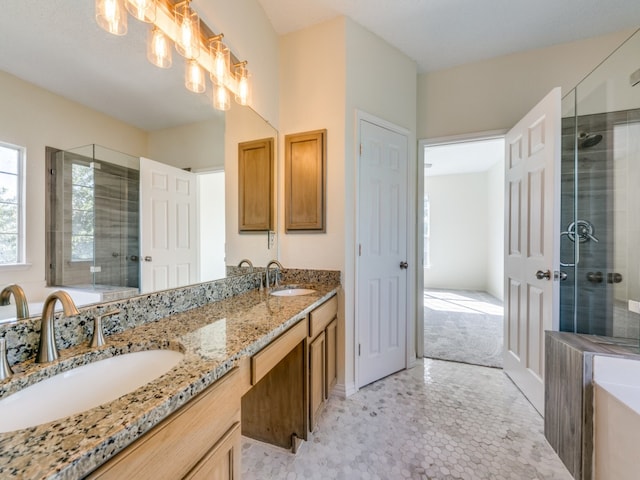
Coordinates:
[532,209]
[382,270]
[169,244]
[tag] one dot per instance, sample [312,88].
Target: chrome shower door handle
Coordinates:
[540,275]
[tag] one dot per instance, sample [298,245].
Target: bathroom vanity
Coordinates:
[247,368]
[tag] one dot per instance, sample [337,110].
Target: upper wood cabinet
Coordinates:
[256,186]
[305,181]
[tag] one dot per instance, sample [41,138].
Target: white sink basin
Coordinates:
[83,388]
[292,292]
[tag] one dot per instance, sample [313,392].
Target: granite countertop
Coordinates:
[213,338]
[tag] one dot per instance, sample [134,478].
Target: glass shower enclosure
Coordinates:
[600,200]
[95,227]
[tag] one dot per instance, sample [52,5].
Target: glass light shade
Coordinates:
[188,23]
[194,77]
[221,98]
[111,16]
[159,48]
[243,85]
[221,58]
[143,10]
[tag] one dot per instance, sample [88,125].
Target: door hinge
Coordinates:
[359,249]
[52,172]
[360,149]
[359,350]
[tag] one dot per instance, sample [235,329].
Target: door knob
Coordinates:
[614,278]
[147,258]
[540,275]
[404,265]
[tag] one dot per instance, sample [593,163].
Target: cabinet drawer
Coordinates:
[267,358]
[175,446]
[322,316]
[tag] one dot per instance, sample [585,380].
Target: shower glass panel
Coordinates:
[600,212]
[96,216]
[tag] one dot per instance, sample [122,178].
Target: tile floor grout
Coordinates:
[438,420]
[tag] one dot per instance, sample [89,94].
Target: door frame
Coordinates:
[430,142]
[410,351]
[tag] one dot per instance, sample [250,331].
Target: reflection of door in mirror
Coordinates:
[168,205]
[93,219]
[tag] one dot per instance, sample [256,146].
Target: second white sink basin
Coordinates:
[83,388]
[292,292]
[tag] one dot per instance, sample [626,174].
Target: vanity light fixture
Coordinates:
[158,48]
[194,77]
[175,21]
[188,22]
[111,16]
[143,10]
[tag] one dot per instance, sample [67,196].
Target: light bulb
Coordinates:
[188,41]
[111,16]
[221,98]
[243,90]
[158,48]
[143,10]
[194,77]
[220,56]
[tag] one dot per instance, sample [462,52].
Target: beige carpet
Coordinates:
[463,326]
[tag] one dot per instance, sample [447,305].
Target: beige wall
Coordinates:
[495,226]
[459,239]
[199,146]
[494,94]
[327,73]
[312,93]
[35,118]
[249,34]
[243,125]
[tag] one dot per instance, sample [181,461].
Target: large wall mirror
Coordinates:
[62,72]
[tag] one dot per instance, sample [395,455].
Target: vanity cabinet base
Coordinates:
[202,436]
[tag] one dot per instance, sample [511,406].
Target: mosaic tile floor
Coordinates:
[463,326]
[438,420]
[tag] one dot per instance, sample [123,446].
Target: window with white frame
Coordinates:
[11,204]
[427,232]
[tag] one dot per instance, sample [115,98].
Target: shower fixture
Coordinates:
[588,140]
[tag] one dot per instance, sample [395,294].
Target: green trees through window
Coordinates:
[82,212]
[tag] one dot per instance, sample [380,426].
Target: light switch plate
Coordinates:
[634,306]
[95,269]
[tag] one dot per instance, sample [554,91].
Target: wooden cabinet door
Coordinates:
[305,181]
[331,338]
[222,462]
[255,186]
[316,378]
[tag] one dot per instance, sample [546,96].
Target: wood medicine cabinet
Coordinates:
[305,180]
[255,185]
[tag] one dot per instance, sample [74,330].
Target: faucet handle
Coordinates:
[5,367]
[97,340]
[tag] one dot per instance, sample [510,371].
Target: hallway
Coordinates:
[438,420]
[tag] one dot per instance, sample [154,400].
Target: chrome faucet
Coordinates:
[22,307]
[279,268]
[48,352]
[248,262]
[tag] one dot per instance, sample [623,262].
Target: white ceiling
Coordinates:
[57,45]
[463,157]
[439,34]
